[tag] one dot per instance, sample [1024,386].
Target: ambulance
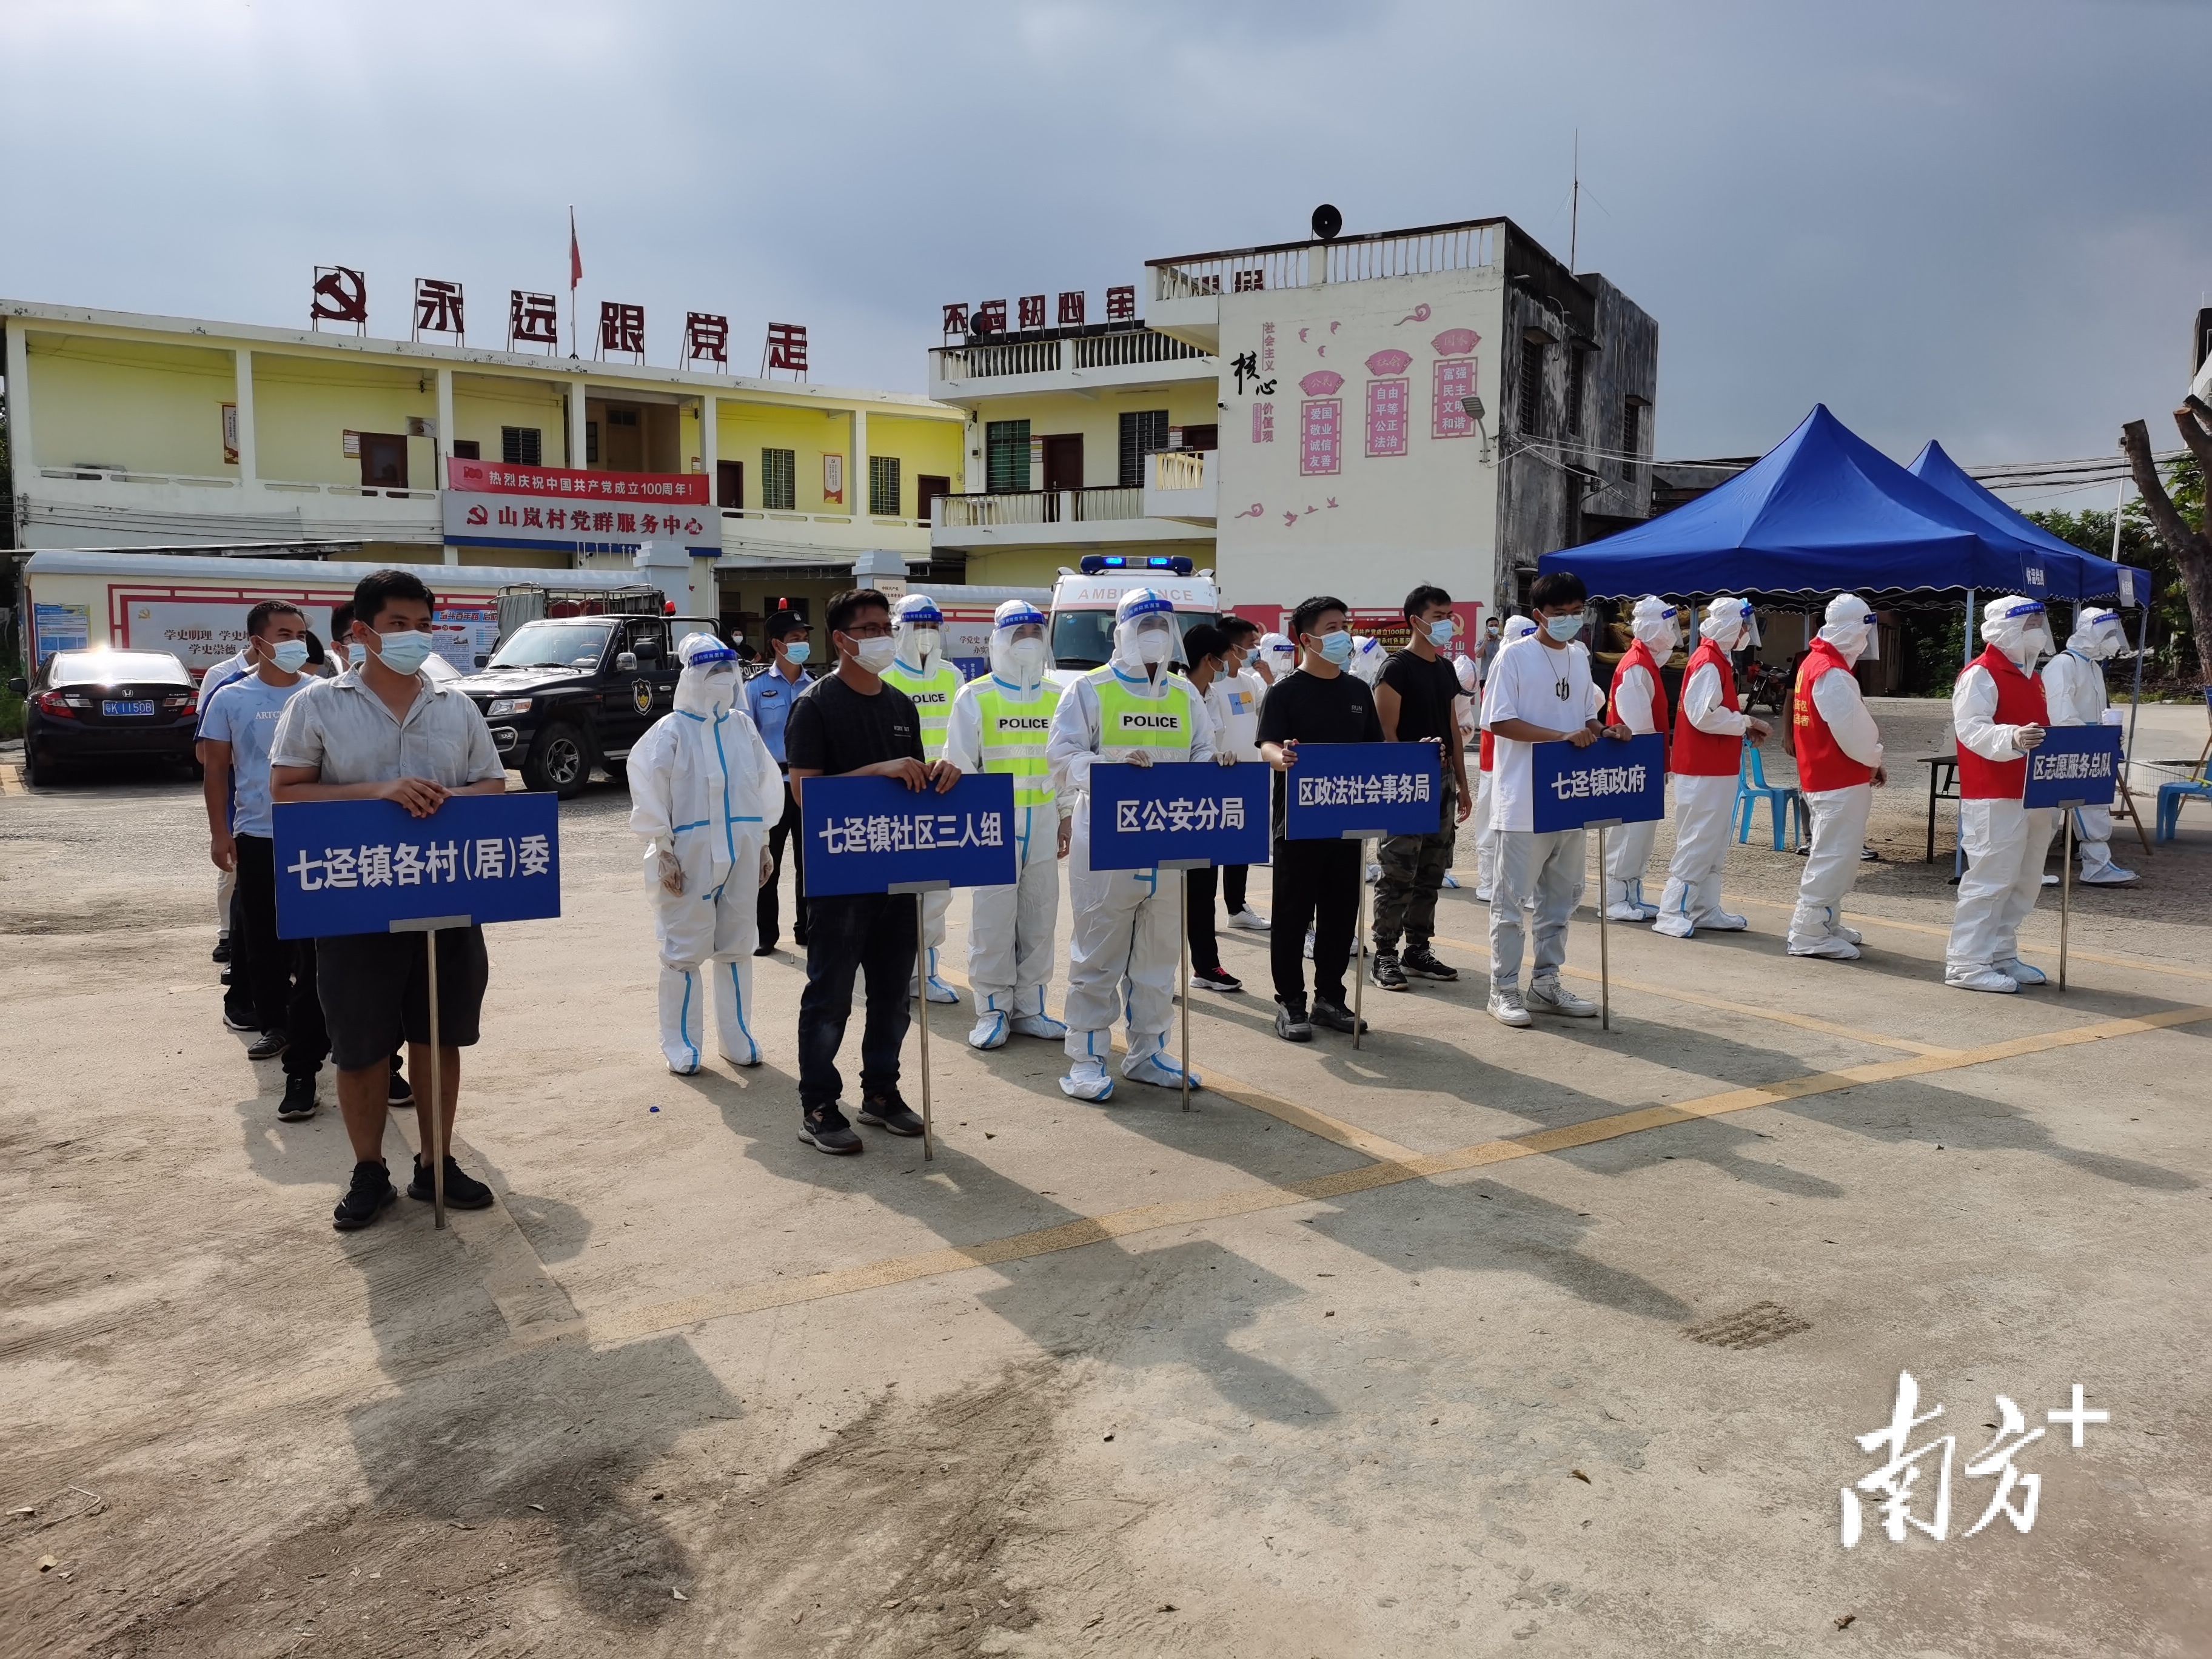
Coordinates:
[1083,602]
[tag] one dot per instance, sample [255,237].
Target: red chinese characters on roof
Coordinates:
[1122,304]
[438,308]
[532,319]
[785,348]
[706,338]
[621,328]
[340,295]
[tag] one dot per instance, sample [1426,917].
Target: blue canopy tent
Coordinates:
[2096,577]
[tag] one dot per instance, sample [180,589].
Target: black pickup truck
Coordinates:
[564,694]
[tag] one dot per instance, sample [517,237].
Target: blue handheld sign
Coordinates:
[869,835]
[1337,789]
[1611,779]
[2074,764]
[1141,815]
[357,867]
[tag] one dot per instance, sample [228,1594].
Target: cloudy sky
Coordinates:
[1980,220]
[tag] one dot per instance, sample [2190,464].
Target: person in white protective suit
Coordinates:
[1368,657]
[920,669]
[1128,946]
[1000,723]
[1484,820]
[1705,759]
[1838,765]
[703,790]
[1639,702]
[2074,689]
[1276,658]
[1998,712]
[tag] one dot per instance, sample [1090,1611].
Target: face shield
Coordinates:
[2098,635]
[1145,637]
[1368,657]
[708,687]
[1850,628]
[1019,654]
[1730,623]
[1653,622]
[1278,652]
[2016,625]
[918,632]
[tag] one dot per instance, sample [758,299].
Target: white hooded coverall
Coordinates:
[704,787]
[1628,849]
[1705,806]
[1839,815]
[2005,844]
[2073,687]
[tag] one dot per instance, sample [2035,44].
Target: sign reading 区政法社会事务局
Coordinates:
[1337,789]
[869,835]
[2073,764]
[357,867]
[1142,815]
[1611,779]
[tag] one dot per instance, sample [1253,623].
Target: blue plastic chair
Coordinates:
[2171,796]
[1786,806]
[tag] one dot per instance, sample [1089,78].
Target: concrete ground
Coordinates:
[1419,1349]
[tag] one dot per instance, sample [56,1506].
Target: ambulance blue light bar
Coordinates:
[1097,563]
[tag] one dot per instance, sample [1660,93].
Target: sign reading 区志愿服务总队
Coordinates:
[2073,765]
[1141,816]
[1611,779]
[1337,789]
[869,835]
[357,867]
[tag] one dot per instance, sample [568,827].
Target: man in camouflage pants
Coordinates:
[1416,699]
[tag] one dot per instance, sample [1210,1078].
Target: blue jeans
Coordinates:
[870,933]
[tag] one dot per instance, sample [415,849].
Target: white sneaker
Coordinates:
[1373,874]
[1087,1080]
[1833,947]
[2022,973]
[1548,996]
[990,1030]
[1310,945]
[1677,927]
[1038,1026]
[1980,979]
[1724,922]
[1249,917]
[1507,1008]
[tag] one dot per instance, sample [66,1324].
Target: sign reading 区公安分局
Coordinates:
[869,834]
[1611,779]
[357,867]
[1143,815]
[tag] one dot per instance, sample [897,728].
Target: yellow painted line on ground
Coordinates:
[1123,1224]
[1862,918]
[1721,1005]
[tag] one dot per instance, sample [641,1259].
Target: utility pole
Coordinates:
[1575,207]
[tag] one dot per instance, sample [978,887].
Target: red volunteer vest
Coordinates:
[2020,703]
[1638,655]
[1706,754]
[1821,766]
[1485,762]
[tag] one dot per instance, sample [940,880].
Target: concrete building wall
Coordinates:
[303,407]
[1096,416]
[140,408]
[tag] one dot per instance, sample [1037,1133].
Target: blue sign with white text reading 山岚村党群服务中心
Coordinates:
[869,835]
[1611,779]
[2073,765]
[1143,815]
[1339,789]
[357,867]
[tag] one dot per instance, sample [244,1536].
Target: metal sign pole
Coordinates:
[1185,866]
[921,999]
[1360,934]
[433,1133]
[1604,950]
[2066,888]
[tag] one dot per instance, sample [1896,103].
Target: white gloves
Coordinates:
[1225,758]
[767,868]
[671,872]
[1139,758]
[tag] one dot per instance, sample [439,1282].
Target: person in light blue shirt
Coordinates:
[768,698]
[236,1004]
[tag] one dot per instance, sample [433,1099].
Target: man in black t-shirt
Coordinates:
[850,724]
[1416,698]
[1316,881]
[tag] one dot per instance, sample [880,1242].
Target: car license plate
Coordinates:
[114,706]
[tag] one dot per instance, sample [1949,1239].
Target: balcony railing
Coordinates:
[1114,350]
[1470,247]
[1117,350]
[1179,468]
[1024,507]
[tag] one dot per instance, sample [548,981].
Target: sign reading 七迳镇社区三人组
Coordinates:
[1610,779]
[869,835]
[1143,815]
[2073,764]
[357,867]
[1336,789]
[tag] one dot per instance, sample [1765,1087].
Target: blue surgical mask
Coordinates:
[1336,648]
[402,652]
[1440,634]
[1564,628]
[798,651]
[290,656]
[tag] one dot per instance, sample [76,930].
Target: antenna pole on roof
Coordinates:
[1575,207]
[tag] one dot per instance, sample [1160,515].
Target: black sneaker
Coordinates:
[1385,971]
[827,1131]
[1214,979]
[223,978]
[268,1046]
[400,1093]
[221,951]
[299,1100]
[463,1191]
[370,1195]
[892,1113]
[765,949]
[236,1022]
[1334,1015]
[1420,961]
[1292,1023]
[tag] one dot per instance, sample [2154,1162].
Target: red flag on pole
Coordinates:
[575,253]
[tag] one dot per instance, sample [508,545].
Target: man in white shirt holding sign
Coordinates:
[1539,691]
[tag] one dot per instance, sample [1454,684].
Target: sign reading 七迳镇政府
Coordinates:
[2073,764]
[869,834]
[1337,789]
[1612,778]
[357,867]
[1142,815]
